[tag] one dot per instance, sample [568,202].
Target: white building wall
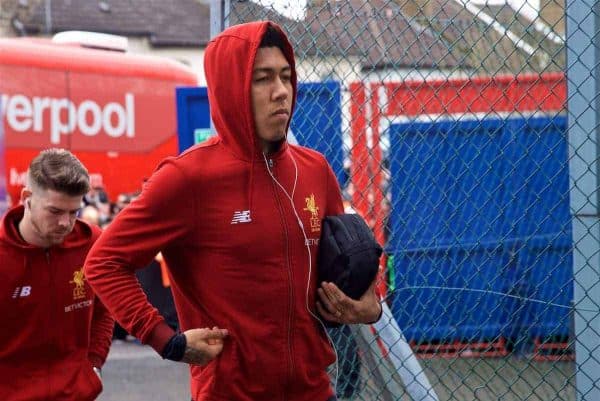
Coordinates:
[348,71]
[192,57]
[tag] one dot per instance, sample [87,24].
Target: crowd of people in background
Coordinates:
[98,209]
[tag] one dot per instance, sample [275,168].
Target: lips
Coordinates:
[281,112]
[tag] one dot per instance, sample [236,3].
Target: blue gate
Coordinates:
[317,120]
[481,229]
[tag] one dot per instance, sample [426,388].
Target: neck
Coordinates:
[27,233]
[270,147]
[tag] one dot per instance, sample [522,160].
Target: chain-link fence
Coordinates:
[457,135]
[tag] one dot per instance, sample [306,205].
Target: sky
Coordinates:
[295,8]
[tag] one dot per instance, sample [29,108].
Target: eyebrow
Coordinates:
[52,208]
[271,69]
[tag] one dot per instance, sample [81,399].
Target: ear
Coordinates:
[26,197]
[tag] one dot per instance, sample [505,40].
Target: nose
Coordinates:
[280,91]
[64,220]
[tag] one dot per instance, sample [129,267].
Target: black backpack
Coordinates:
[348,255]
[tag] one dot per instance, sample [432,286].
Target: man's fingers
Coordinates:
[333,293]
[204,344]
[341,301]
[326,301]
[217,333]
[212,333]
[196,337]
[340,308]
[326,314]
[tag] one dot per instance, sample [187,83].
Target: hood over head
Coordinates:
[228,64]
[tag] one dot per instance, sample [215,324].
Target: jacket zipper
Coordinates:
[290,284]
[51,296]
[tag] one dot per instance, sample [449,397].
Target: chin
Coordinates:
[55,241]
[57,238]
[275,138]
[278,141]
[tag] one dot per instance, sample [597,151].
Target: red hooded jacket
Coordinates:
[53,328]
[237,256]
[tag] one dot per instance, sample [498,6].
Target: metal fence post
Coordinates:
[384,377]
[583,58]
[219,16]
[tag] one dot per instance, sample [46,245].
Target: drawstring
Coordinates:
[251,183]
[250,186]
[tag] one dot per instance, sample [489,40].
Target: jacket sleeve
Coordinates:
[100,334]
[335,206]
[157,218]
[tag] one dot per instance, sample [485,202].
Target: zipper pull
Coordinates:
[271,163]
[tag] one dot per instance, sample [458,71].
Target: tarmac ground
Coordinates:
[136,373]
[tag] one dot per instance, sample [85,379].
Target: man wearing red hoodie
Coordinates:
[238,220]
[55,334]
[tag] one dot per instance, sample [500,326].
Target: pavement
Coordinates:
[134,372]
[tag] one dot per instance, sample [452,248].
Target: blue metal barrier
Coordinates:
[317,120]
[193,113]
[480,211]
[537,214]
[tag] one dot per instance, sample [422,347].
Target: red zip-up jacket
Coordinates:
[53,328]
[237,256]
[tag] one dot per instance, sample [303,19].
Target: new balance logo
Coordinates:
[21,292]
[242,216]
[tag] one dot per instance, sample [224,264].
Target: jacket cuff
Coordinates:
[378,317]
[175,348]
[159,337]
[96,360]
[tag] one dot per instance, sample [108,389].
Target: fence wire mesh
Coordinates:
[449,135]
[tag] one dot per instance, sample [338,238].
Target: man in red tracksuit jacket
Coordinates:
[238,220]
[55,334]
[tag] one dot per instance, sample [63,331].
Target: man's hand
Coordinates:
[203,345]
[336,306]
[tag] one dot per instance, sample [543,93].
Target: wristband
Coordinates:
[378,317]
[175,348]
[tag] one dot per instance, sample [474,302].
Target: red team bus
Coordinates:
[116,111]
